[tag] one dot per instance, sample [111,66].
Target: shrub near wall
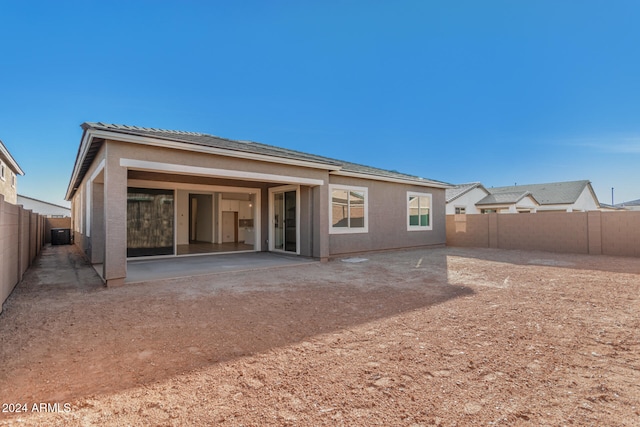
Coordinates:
[607,233]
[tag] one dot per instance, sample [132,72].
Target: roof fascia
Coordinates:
[82,153]
[390,179]
[12,162]
[476,185]
[496,205]
[186,146]
[43,202]
[530,194]
[593,193]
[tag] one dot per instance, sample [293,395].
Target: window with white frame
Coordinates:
[13,180]
[419,211]
[349,209]
[461,210]
[2,171]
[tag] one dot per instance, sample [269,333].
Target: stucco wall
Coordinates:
[387,218]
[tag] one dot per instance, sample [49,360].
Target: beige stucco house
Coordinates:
[140,192]
[9,171]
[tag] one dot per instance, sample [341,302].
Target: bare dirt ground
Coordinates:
[426,337]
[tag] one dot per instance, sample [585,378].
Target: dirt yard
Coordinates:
[414,338]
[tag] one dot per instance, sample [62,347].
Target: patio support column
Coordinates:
[115,220]
[97,223]
[321,222]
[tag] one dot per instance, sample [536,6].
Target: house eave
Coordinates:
[421,183]
[101,135]
[12,163]
[187,146]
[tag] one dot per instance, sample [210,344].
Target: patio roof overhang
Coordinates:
[142,165]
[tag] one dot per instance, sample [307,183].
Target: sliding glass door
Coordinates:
[284,220]
[150,220]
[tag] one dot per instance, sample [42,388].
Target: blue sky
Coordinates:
[500,92]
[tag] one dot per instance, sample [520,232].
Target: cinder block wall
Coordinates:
[21,239]
[621,233]
[564,232]
[606,233]
[468,231]
[55,223]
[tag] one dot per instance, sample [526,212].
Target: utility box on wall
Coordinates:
[60,236]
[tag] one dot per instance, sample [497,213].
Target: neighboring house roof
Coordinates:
[461,189]
[629,203]
[553,193]
[42,207]
[505,198]
[223,146]
[10,161]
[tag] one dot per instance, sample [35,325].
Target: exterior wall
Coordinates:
[468,201]
[88,202]
[387,218]
[7,189]
[594,232]
[527,203]
[585,201]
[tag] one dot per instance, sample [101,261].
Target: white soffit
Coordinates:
[214,172]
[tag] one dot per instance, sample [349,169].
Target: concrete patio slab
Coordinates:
[173,268]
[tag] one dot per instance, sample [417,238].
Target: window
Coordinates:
[2,169]
[461,211]
[419,211]
[13,180]
[349,209]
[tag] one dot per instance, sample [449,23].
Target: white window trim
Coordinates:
[419,227]
[349,230]
[3,171]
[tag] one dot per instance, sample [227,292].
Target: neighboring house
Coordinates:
[9,171]
[139,192]
[46,209]
[571,196]
[633,205]
[462,198]
[508,202]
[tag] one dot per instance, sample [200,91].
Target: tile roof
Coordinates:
[503,198]
[457,191]
[548,194]
[203,139]
[629,203]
